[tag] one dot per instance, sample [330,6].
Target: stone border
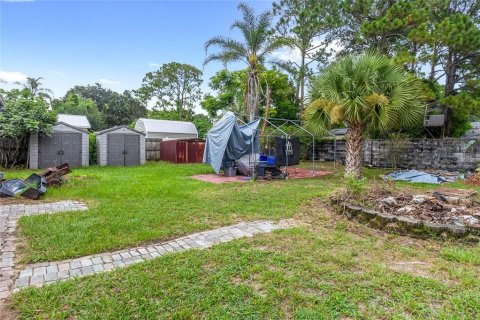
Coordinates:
[405,225]
[40,274]
[9,215]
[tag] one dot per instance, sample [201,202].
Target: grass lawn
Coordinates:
[326,268]
[135,205]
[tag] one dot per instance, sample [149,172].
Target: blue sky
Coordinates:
[113,42]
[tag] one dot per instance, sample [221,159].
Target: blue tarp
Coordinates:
[227,141]
[416,176]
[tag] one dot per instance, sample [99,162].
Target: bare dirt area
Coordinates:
[18,200]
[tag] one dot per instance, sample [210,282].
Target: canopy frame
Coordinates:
[278,128]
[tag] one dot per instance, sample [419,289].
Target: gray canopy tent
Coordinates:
[228,141]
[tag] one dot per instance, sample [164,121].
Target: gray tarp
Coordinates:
[416,176]
[227,141]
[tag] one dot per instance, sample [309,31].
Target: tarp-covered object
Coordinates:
[416,176]
[227,141]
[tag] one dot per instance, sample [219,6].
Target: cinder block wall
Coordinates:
[448,154]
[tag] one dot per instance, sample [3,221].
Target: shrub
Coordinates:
[92,146]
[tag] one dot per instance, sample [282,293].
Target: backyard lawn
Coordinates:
[325,268]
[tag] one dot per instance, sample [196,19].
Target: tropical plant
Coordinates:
[35,87]
[258,43]
[21,116]
[229,88]
[362,92]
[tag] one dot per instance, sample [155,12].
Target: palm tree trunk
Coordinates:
[354,150]
[267,109]
[253,95]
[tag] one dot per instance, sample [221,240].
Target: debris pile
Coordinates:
[473,180]
[444,206]
[35,185]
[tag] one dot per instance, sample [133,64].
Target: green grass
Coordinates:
[129,206]
[327,268]
[309,272]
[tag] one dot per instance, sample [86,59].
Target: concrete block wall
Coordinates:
[446,154]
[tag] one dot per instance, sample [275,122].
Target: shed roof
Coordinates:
[116,128]
[165,126]
[74,120]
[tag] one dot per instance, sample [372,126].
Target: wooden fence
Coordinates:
[152,149]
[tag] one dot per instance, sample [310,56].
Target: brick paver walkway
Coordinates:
[9,214]
[43,273]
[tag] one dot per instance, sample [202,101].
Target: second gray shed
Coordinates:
[120,146]
[66,144]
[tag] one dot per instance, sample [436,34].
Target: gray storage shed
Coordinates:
[120,146]
[67,144]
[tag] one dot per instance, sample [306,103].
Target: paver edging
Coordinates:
[43,273]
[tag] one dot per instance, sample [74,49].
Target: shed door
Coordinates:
[60,148]
[132,149]
[72,149]
[123,149]
[115,147]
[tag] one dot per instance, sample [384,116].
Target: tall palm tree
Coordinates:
[35,87]
[362,92]
[258,42]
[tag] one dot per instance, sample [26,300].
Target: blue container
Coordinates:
[270,160]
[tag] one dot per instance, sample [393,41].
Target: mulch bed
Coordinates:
[302,173]
[473,180]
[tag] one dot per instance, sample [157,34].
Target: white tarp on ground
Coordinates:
[227,141]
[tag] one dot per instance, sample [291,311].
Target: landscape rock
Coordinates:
[406,209]
[468,219]
[390,201]
[418,199]
[453,200]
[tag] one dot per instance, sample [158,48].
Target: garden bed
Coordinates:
[445,212]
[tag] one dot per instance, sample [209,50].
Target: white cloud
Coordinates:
[294,55]
[153,65]
[12,76]
[286,54]
[107,81]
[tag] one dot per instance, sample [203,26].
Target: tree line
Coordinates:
[437,42]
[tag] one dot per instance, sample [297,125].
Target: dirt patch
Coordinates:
[419,269]
[252,283]
[20,200]
[6,313]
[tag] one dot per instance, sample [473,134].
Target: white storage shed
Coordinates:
[120,146]
[166,129]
